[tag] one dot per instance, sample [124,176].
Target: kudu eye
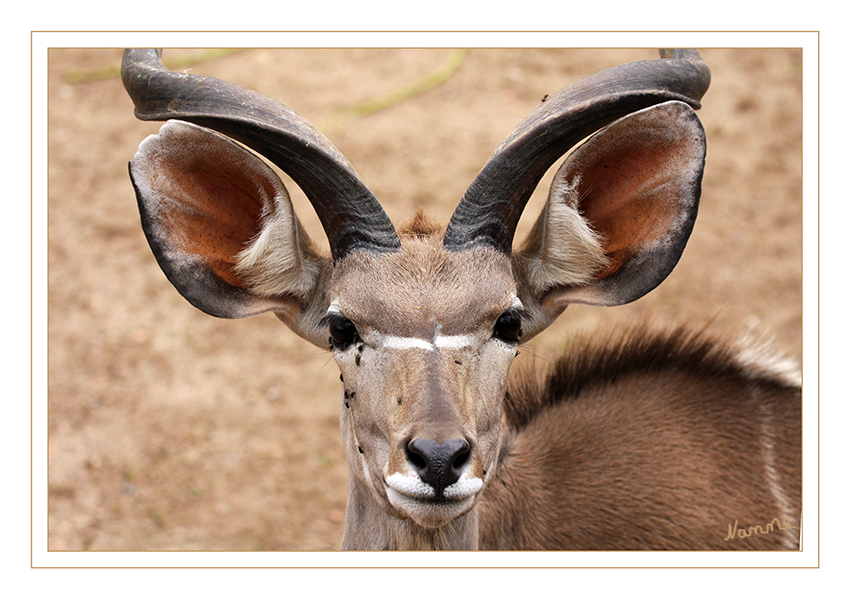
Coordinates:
[508,327]
[343,332]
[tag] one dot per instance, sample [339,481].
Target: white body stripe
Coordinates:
[773,479]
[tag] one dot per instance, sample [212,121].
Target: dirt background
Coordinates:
[170,429]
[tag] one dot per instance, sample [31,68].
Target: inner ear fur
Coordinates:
[220,224]
[620,211]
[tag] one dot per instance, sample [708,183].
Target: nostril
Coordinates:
[438,464]
[416,459]
[416,451]
[461,459]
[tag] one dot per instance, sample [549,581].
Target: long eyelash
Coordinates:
[332,318]
[521,313]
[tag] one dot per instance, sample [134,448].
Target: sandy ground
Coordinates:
[170,429]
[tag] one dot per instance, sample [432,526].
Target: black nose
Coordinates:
[438,464]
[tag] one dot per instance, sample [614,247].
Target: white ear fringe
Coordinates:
[571,253]
[276,262]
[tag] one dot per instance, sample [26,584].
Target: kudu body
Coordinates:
[643,441]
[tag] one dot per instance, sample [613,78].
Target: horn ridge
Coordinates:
[490,209]
[350,214]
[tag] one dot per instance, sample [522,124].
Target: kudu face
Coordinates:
[424,368]
[424,324]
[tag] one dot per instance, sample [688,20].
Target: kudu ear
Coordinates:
[620,211]
[221,224]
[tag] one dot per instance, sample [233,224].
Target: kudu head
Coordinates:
[423,325]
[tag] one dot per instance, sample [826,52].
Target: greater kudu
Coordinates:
[643,441]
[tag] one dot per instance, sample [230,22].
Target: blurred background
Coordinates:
[170,429]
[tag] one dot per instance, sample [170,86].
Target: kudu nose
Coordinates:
[438,464]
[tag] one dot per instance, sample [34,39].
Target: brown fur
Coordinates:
[641,441]
[656,441]
[424,283]
[423,225]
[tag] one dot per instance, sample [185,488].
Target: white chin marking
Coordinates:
[410,485]
[465,487]
[415,498]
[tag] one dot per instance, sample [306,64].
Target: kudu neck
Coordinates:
[368,527]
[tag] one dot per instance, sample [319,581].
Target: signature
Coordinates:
[743,533]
